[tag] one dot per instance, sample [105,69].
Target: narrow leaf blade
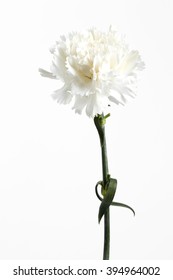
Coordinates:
[123,205]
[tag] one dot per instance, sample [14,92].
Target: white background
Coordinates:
[50,157]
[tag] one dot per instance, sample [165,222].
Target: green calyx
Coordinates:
[102,119]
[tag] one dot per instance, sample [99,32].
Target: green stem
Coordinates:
[100,121]
[106,235]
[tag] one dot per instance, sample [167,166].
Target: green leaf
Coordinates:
[107,200]
[123,205]
[112,203]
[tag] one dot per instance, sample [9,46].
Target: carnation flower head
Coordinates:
[96,68]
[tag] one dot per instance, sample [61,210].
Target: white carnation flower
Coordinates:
[96,67]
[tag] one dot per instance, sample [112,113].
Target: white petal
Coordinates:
[113,99]
[82,88]
[130,62]
[94,105]
[58,67]
[80,103]
[62,96]
[46,74]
